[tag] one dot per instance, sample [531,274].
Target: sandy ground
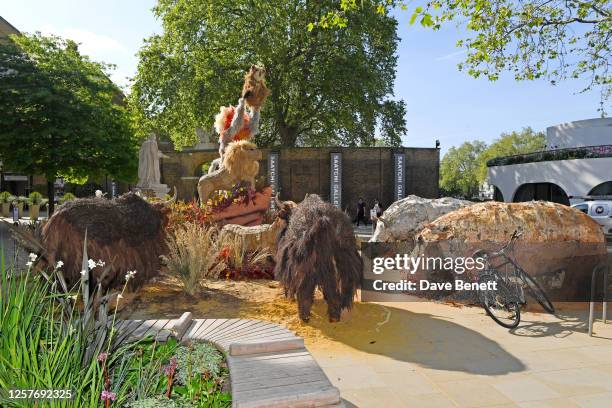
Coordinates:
[261,299]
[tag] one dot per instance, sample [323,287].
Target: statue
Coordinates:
[149,176]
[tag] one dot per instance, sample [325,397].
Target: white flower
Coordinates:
[29,263]
[119,296]
[59,264]
[100,263]
[73,297]
[91,263]
[83,272]
[129,275]
[33,256]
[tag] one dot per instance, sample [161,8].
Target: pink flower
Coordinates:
[102,357]
[108,396]
[171,367]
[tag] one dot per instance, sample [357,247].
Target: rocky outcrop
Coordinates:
[558,245]
[405,217]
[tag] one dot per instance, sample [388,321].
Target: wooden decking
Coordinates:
[268,364]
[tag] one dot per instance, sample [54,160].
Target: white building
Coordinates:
[577,162]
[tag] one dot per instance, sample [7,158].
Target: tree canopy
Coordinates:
[328,87]
[463,169]
[60,114]
[554,39]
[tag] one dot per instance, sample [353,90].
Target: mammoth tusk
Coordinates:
[173,199]
[279,203]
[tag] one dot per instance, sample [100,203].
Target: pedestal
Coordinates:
[159,190]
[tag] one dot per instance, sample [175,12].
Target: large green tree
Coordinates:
[554,39]
[60,114]
[328,87]
[459,169]
[508,144]
[463,169]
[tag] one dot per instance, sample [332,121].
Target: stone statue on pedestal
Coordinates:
[149,175]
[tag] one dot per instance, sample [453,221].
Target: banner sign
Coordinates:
[273,176]
[399,162]
[335,193]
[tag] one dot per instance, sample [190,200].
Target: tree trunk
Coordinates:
[51,194]
[288,135]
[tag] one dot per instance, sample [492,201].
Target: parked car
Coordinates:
[600,211]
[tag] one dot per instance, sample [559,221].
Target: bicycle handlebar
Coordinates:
[502,251]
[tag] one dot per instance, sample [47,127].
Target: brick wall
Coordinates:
[366,172]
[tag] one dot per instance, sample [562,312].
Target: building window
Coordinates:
[541,192]
[603,189]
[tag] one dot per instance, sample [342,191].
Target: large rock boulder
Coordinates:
[559,246]
[405,217]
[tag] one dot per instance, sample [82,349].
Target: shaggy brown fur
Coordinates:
[239,163]
[126,233]
[254,89]
[318,249]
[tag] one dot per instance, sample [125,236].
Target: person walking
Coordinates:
[378,208]
[360,211]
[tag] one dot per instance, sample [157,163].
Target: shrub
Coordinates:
[16,200]
[5,197]
[242,263]
[198,360]
[36,198]
[183,213]
[160,402]
[67,197]
[193,255]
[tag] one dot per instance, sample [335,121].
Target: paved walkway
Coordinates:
[434,355]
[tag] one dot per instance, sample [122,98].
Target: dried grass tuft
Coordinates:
[193,255]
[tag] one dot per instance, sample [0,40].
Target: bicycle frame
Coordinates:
[512,279]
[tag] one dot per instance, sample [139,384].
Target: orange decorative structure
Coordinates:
[246,214]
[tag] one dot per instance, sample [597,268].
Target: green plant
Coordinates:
[239,260]
[200,375]
[198,359]
[35,198]
[42,343]
[5,197]
[161,402]
[67,197]
[193,255]
[17,200]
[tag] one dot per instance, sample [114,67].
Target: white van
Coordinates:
[600,211]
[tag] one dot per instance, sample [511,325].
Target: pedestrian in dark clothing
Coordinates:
[360,212]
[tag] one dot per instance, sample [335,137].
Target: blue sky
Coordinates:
[442,103]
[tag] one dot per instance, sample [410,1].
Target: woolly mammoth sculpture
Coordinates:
[126,233]
[239,164]
[318,249]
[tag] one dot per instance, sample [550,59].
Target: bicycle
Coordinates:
[503,303]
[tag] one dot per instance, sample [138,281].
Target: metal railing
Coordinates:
[586,152]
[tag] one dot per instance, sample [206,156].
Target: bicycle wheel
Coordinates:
[536,291]
[499,303]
